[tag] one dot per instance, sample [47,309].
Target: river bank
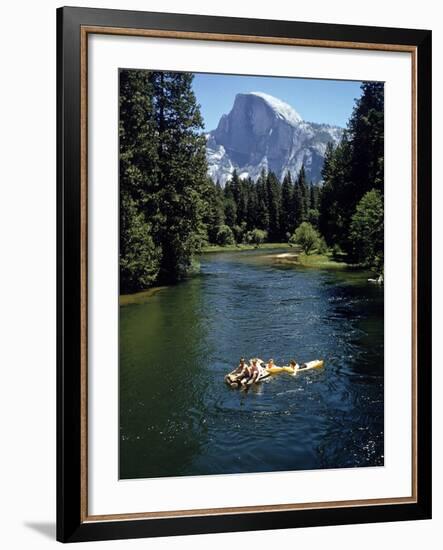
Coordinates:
[319,261]
[294,256]
[242,247]
[139,297]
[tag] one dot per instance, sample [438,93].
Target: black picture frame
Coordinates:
[71,523]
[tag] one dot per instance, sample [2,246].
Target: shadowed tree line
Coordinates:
[162,178]
[251,212]
[351,213]
[170,208]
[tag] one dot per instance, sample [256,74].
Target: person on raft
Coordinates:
[295,366]
[252,372]
[234,377]
[242,366]
[270,364]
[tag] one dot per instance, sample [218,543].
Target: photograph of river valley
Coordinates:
[251,228]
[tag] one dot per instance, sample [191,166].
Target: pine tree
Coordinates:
[313,196]
[313,214]
[215,216]
[274,205]
[299,198]
[333,203]
[182,171]
[243,203]
[138,137]
[139,256]
[327,171]
[235,189]
[366,231]
[304,190]
[262,202]
[354,167]
[140,252]
[230,211]
[287,212]
[252,218]
[366,131]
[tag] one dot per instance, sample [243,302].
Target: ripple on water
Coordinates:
[179,418]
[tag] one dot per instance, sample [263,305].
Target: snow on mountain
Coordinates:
[282,109]
[262,131]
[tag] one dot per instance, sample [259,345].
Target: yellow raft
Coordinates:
[233,380]
[316,364]
[278,370]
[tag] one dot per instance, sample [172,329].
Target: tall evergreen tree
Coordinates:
[274,205]
[327,171]
[215,215]
[304,186]
[252,215]
[313,213]
[262,202]
[287,212]
[366,231]
[354,167]
[243,203]
[235,186]
[313,196]
[299,198]
[333,205]
[366,131]
[140,253]
[182,171]
[230,210]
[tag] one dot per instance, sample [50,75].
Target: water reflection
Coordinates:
[162,381]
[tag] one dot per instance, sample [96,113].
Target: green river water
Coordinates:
[177,416]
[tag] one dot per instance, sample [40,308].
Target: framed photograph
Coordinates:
[244,274]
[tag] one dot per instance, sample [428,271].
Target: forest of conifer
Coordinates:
[170,209]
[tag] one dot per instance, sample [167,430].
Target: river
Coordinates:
[177,416]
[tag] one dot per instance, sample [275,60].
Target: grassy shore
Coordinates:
[320,261]
[139,297]
[314,260]
[242,247]
[294,256]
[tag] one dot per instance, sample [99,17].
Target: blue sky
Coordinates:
[327,101]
